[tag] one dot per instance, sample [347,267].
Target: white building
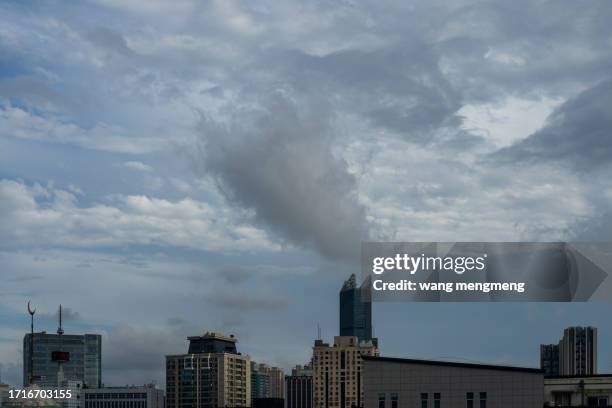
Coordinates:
[146,396]
[588,391]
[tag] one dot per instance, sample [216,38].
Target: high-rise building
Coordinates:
[355,311]
[337,371]
[299,388]
[211,375]
[80,357]
[146,396]
[549,359]
[578,351]
[276,380]
[260,382]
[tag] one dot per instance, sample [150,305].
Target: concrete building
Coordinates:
[355,313]
[83,355]
[583,391]
[277,381]
[146,396]
[211,375]
[260,382]
[578,351]
[299,388]
[395,382]
[337,371]
[549,359]
[4,396]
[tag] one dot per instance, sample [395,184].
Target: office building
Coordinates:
[355,311]
[582,391]
[146,396]
[260,382]
[211,375]
[578,351]
[80,357]
[276,378]
[337,371]
[395,382]
[549,359]
[299,388]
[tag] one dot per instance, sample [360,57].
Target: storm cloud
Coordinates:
[221,161]
[278,161]
[578,133]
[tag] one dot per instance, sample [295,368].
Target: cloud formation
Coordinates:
[278,161]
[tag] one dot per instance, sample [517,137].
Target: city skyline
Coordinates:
[215,165]
[526,363]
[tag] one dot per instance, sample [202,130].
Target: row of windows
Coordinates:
[130,395]
[436,398]
[115,404]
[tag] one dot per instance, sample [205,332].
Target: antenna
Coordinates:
[318,331]
[31,313]
[60,331]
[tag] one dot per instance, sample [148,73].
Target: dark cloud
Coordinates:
[278,162]
[399,87]
[578,133]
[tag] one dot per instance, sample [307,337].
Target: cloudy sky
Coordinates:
[173,167]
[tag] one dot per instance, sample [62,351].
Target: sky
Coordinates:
[169,168]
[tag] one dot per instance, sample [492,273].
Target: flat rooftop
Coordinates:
[453,364]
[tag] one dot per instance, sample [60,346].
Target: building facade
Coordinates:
[276,378]
[260,382]
[395,383]
[215,375]
[299,388]
[578,351]
[355,312]
[147,396]
[83,354]
[549,359]
[583,391]
[337,371]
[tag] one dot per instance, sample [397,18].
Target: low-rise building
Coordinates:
[146,396]
[396,382]
[580,391]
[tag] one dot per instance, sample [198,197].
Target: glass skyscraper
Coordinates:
[355,313]
[84,358]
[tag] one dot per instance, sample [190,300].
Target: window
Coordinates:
[483,400]
[469,397]
[437,400]
[381,400]
[394,400]
[424,400]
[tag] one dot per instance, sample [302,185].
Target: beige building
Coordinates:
[213,374]
[276,380]
[337,372]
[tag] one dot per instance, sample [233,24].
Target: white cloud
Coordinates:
[17,122]
[59,221]
[138,166]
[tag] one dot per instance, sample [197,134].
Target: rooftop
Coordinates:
[454,364]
